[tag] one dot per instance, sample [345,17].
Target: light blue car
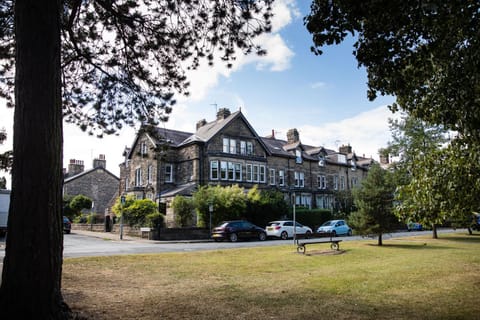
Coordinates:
[335,228]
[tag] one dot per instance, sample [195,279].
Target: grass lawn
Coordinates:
[409,278]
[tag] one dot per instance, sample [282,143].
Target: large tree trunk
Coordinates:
[380,239]
[31,278]
[434,231]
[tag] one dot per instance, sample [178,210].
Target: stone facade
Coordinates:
[98,184]
[163,163]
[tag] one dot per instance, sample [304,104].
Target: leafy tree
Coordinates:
[100,64]
[73,205]
[445,187]
[425,53]
[374,200]
[136,214]
[265,205]
[412,138]
[183,209]
[5,159]
[229,203]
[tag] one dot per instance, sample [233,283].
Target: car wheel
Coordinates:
[67,231]
[349,233]
[262,236]
[308,235]
[233,237]
[284,235]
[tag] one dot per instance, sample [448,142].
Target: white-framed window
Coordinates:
[298,156]
[138,177]
[226,145]
[322,182]
[243,147]
[168,173]
[299,179]
[238,171]
[335,182]
[231,171]
[255,173]
[281,177]
[223,170]
[233,146]
[150,174]
[262,171]
[249,148]
[143,148]
[214,170]
[271,176]
[342,183]
[249,172]
[354,181]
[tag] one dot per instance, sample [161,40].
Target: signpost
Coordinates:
[122,201]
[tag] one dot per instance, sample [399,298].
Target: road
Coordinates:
[83,244]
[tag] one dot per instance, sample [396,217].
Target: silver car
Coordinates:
[285,229]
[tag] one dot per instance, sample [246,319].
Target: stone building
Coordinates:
[162,163]
[98,184]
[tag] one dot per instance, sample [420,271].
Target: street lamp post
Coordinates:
[294,221]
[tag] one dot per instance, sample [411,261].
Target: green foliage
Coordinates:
[444,187]
[73,205]
[231,203]
[183,210]
[155,220]
[265,205]
[312,218]
[425,53]
[138,213]
[374,200]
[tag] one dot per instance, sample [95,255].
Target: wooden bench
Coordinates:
[334,244]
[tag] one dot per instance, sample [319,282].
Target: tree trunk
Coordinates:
[380,240]
[32,270]
[434,231]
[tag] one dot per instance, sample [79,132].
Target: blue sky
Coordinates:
[323,97]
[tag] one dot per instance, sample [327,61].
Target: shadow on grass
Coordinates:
[467,238]
[412,246]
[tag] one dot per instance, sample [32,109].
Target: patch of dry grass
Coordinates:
[416,278]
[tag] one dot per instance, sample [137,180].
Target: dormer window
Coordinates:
[298,156]
[321,161]
[354,164]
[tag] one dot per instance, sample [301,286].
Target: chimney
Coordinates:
[293,136]
[345,149]
[75,167]
[223,113]
[201,123]
[384,159]
[100,162]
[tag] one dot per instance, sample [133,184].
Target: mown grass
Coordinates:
[414,278]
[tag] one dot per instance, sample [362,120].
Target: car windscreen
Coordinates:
[328,223]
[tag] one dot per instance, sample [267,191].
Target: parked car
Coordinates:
[475,221]
[67,225]
[335,228]
[285,229]
[414,226]
[238,229]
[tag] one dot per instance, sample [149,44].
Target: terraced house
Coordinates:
[163,163]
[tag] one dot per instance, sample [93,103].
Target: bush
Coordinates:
[183,211]
[311,217]
[155,220]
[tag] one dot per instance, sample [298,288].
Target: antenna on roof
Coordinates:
[216,107]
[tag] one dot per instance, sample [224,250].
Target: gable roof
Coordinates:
[84,173]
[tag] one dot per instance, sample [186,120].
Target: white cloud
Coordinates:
[319,84]
[366,132]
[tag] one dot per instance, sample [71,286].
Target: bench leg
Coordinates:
[335,246]
[301,249]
